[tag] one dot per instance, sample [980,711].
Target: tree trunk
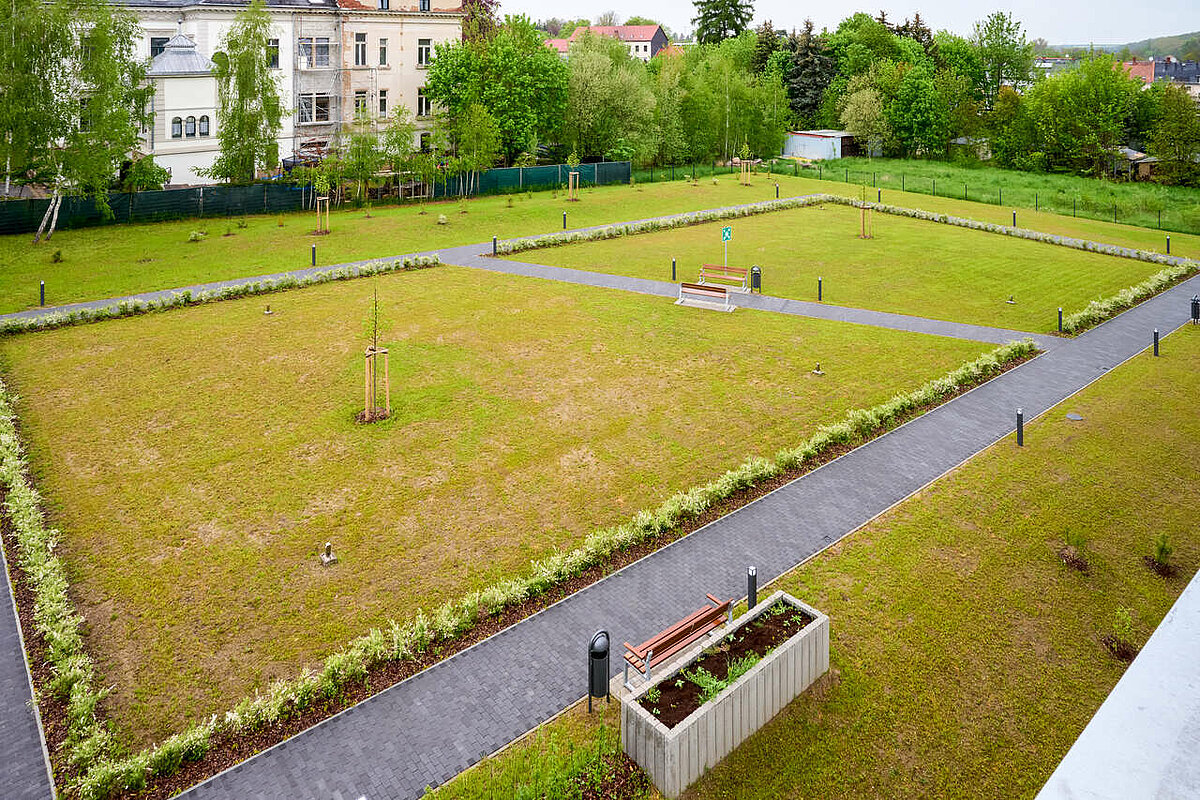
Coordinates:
[37,237]
[54,219]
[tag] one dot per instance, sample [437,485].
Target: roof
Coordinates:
[625,33]
[180,57]
[824,133]
[561,45]
[236,4]
[670,51]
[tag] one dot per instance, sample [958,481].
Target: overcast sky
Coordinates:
[1057,21]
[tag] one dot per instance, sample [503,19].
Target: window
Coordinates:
[314,108]
[189,127]
[360,102]
[383,5]
[425,139]
[314,52]
[424,108]
[360,49]
[158,44]
[424,50]
[177,128]
[273,53]
[204,125]
[424,5]
[382,103]
[383,51]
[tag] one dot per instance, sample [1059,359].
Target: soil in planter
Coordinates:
[673,700]
[1120,649]
[1159,568]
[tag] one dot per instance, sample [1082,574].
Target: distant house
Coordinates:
[183,138]
[820,144]
[1163,69]
[1142,70]
[644,41]
[1051,65]
[1134,165]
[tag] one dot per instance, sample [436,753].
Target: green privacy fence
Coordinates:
[24,216]
[518,179]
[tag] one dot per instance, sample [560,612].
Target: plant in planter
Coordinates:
[727,687]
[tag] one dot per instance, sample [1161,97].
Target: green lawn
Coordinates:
[124,259]
[196,460]
[910,266]
[966,657]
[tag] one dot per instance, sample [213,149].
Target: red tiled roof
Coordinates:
[561,45]
[625,33]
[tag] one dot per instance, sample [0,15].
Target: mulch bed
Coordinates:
[1119,648]
[1159,568]
[617,777]
[1074,559]
[677,699]
[226,751]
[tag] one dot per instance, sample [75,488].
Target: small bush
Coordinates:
[1163,549]
[441,220]
[56,257]
[196,236]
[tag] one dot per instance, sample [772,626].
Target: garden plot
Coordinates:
[197,460]
[909,266]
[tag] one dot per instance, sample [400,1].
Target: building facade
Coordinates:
[334,60]
[644,41]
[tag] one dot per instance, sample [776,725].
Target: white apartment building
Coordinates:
[334,58]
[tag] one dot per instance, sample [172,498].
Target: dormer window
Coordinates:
[383,5]
[424,5]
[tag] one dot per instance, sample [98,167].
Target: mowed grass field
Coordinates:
[966,657]
[910,266]
[119,260]
[197,460]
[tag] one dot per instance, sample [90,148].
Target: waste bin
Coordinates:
[756,279]
[598,668]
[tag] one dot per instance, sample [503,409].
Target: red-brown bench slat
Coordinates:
[667,643]
[739,271]
[702,289]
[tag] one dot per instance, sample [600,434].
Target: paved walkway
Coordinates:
[24,771]
[427,729]
[469,256]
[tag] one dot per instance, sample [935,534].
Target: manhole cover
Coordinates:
[1074,417]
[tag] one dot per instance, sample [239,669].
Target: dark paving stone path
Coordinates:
[24,772]
[427,729]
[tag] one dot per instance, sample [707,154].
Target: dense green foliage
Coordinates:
[250,111]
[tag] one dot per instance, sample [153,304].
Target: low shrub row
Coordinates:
[1107,307]
[407,640]
[128,308]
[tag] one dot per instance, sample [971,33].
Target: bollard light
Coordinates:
[1014,218]
[314,255]
[1168,244]
[751,588]
[43,294]
[1020,428]
[1156,341]
[493,245]
[564,220]
[1060,319]
[672,270]
[818,290]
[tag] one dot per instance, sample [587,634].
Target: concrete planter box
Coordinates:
[675,757]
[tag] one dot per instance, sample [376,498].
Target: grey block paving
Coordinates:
[427,729]
[24,771]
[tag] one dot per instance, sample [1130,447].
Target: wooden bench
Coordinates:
[699,294]
[730,275]
[661,646]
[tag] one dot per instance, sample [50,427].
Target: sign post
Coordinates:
[726,235]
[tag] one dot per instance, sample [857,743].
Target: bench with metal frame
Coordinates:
[704,295]
[663,645]
[735,278]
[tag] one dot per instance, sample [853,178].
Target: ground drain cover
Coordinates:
[1074,417]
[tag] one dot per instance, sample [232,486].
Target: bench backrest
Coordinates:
[684,632]
[703,290]
[720,269]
